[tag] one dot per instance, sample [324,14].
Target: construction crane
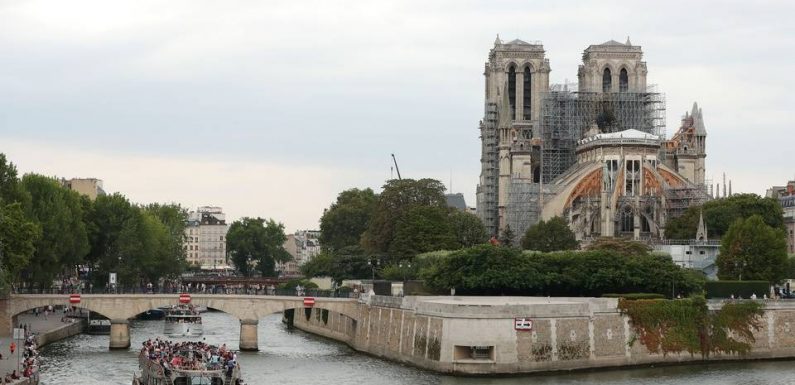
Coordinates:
[396,166]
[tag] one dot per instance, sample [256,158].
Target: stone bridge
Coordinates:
[120,308]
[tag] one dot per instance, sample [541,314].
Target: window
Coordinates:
[526,95]
[512,90]
[623,81]
[607,80]
[627,220]
[632,178]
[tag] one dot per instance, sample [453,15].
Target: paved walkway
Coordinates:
[37,325]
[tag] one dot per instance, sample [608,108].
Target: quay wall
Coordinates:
[439,333]
[61,332]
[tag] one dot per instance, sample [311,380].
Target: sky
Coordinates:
[271,108]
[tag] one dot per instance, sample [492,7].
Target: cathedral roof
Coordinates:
[612,42]
[626,134]
[518,42]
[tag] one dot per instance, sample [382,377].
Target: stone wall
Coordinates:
[439,334]
[60,333]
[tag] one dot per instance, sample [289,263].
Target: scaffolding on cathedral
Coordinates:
[566,116]
[679,199]
[490,170]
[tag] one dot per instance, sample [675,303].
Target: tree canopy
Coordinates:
[720,214]
[397,199]
[343,223]
[59,213]
[256,244]
[753,250]
[552,235]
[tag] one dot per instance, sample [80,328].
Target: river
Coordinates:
[295,357]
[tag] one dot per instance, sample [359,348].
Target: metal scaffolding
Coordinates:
[679,199]
[566,117]
[487,191]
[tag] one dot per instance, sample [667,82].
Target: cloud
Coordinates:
[301,86]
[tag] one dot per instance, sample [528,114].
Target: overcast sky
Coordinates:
[270,108]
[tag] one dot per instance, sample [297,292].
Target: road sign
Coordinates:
[184,298]
[525,324]
[74,299]
[112,278]
[19,334]
[309,301]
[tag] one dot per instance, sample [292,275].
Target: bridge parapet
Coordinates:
[126,306]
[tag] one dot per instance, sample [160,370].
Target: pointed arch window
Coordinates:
[512,89]
[527,95]
[607,80]
[623,81]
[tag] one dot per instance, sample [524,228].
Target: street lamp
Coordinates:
[404,266]
[373,263]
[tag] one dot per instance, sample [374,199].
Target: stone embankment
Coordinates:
[505,335]
[47,330]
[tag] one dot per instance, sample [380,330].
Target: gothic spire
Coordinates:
[701,234]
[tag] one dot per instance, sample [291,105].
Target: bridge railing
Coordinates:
[253,291]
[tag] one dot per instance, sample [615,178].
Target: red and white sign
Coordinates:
[184,298]
[525,324]
[74,298]
[309,301]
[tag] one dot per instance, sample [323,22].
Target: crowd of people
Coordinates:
[189,355]
[29,360]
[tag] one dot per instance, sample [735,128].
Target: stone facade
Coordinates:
[786,197]
[477,335]
[205,238]
[597,157]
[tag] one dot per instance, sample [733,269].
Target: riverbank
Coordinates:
[47,330]
[515,335]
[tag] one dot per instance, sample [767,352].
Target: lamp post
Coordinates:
[404,265]
[373,263]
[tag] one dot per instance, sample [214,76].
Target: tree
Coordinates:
[422,229]
[106,220]
[753,250]
[346,263]
[621,246]
[467,229]
[256,243]
[18,237]
[552,235]
[174,218]
[10,190]
[343,223]
[720,214]
[64,241]
[397,198]
[507,236]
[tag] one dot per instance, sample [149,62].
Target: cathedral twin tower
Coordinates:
[596,156]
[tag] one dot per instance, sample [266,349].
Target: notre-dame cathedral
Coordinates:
[594,153]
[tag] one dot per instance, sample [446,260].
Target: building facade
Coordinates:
[302,245]
[597,156]
[786,197]
[205,238]
[90,187]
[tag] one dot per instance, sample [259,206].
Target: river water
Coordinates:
[295,357]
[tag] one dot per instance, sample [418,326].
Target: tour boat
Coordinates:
[186,363]
[183,321]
